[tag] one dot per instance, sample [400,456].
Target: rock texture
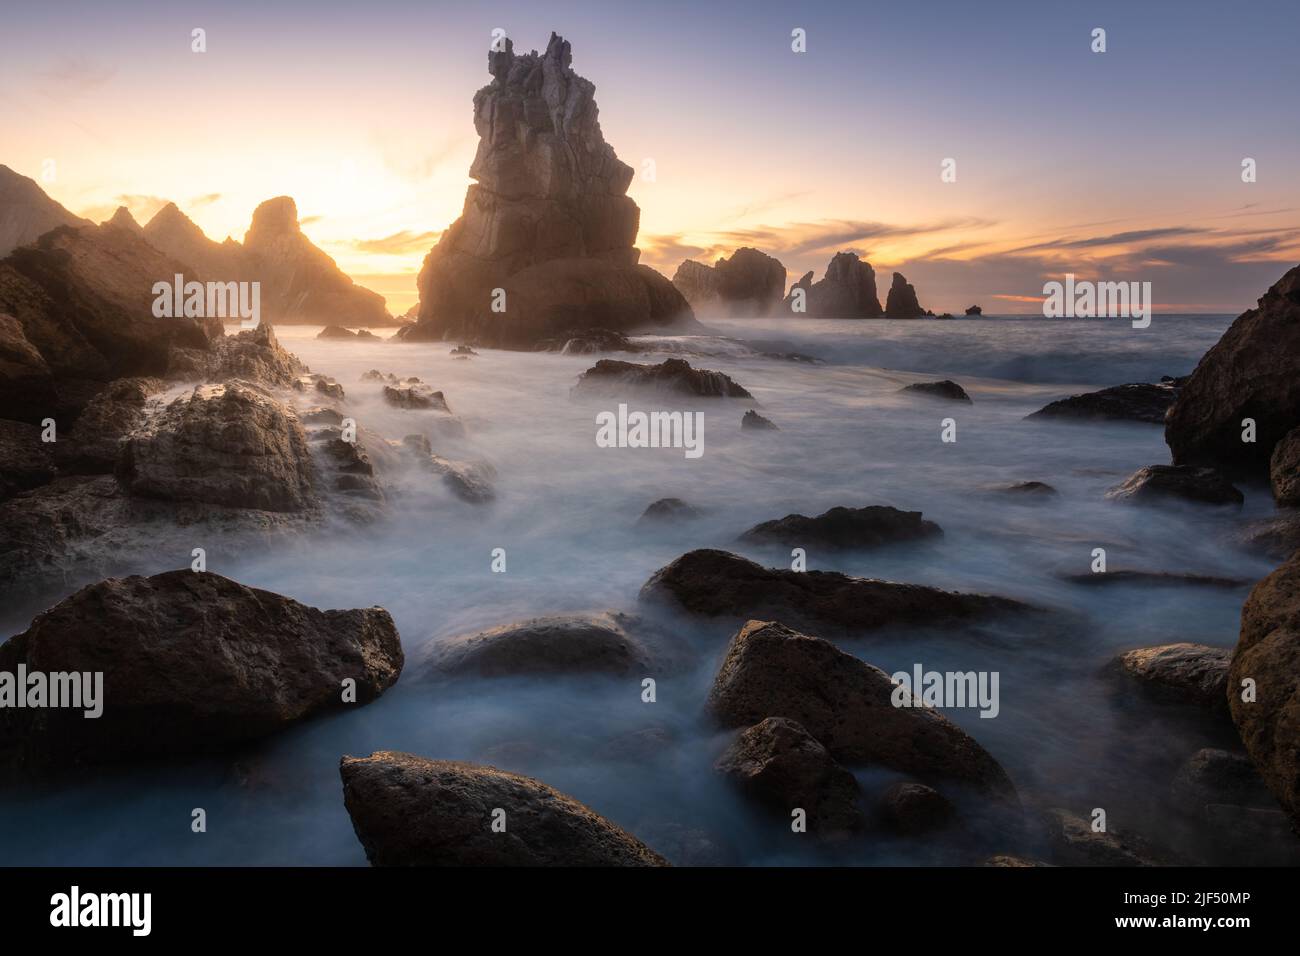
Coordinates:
[750,283]
[1284,470]
[1268,652]
[912,808]
[845,528]
[1177,482]
[784,767]
[1071,841]
[676,376]
[1213,776]
[716,583]
[409,811]
[1182,673]
[27,213]
[550,645]
[1250,373]
[191,661]
[770,670]
[548,219]
[1125,403]
[901,302]
[847,291]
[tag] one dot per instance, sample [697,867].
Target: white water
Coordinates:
[566,512]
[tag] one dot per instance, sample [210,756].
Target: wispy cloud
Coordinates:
[399,243]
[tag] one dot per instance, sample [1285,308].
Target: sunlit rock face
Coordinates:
[546,239]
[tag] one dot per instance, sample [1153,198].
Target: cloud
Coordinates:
[73,77]
[399,243]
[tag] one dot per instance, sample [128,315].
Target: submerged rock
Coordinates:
[946,389]
[609,376]
[770,670]
[783,766]
[1182,673]
[1026,489]
[716,583]
[1268,653]
[409,811]
[1134,403]
[667,511]
[974,310]
[1165,482]
[335,332]
[1152,579]
[192,661]
[547,645]
[753,420]
[845,528]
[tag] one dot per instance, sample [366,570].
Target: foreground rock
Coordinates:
[771,670]
[716,583]
[913,808]
[1177,482]
[548,645]
[409,811]
[1071,841]
[1126,403]
[192,661]
[847,291]
[1250,373]
[946,389]
[1268,652]
[1212,776]
[845,528]
[1284,470]
[25,460]
[1277,537]
[548,220]
[750,283]
[901,302]
[783,766]
[674,376]
[1195,674]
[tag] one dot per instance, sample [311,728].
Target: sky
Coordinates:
[1119,165]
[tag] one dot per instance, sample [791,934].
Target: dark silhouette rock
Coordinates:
[668,511]
[27,213]
[1284,470]
[1250,373]
[335,332]
[612,377]
[753,420]
[750,283]
[974,310]
[25,461]
[191,661]
[847,291]
[770,670]
[1027,490]
[901,302]
[911,808]
[845,528]
[572,644]
[94,445]
[1195,674]
[1178,482]
[1132,403]
[588,341]
[409,811]
[1132,576]
[27,388]
[415,397]
[175,234]
[1071,841]
[946,389]
[1212,776]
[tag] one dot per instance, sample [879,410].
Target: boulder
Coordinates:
[845,528]
[1071,841]
[409,811]
[1284,470]
[846,704]
[51,529]
[668,511]
[1026,489]
[415,397]
[716,583]
[901,302]
[673,376]
[755,422]
[253,355]
[1277,537]
[847,291]
[1129,403]
[230,445]
[783,766]
[946,389]
[910,808]
[1182,673]
[570,644]
[1213,776]
[1268,652]
[1156,483]
[25,461]
[548,220]
[1250,373]
[191,661]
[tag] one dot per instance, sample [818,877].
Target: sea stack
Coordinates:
[749,284]
[847,291]
[902,303]
[546,240]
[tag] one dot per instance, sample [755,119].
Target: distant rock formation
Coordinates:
[974,310]
[750,283]
[847,291]
[26,213]
[901,303]
[174,233]
[548,222]
[122,219]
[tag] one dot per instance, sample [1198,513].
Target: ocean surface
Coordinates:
[566,515]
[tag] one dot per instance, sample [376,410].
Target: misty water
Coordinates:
[566,514]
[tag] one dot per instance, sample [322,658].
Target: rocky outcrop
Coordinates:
[719,584]
[471,482]
[784,767]
[548,221]
[770,670]
[191,661]
[1284,470]
[27,213]
[1183,673]
[335,332]
[1250,373]
[94,445]
[947,389]
[1124,403]
[122,219]
[847,291]
[750,283]
[1268,653]
[673,376]
[175,234]
[409,811]
[418,397]
[300,283]
[845,528]
[1156,483]
[602,643]
[901,303]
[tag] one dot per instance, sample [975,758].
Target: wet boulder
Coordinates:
[562,644]
[753,421]
[668,511]
[1177,482]
[416,396]
[1195,674]
[672,376]
[1126,403]
[845,528]
[1071,841]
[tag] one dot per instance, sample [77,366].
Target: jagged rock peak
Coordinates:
[275,216]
